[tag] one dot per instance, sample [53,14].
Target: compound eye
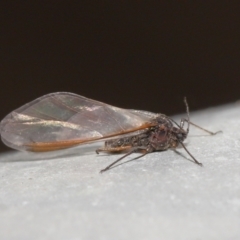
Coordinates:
[180,136]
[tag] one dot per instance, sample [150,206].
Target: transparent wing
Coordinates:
[61,120]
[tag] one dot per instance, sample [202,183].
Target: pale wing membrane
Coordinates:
[67,119]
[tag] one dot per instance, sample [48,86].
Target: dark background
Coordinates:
[132,54]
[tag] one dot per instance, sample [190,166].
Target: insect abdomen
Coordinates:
[134,141]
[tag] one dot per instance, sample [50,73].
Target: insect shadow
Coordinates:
[11,156]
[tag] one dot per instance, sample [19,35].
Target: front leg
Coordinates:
[203,129]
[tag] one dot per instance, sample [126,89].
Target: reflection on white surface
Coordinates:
[159,196]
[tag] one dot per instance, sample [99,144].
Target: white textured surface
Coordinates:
[160,196]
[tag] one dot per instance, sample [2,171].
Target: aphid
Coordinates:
[63,120]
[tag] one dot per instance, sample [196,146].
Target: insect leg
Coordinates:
[127,154]
[195,160]
[203,129]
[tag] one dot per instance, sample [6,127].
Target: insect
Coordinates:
[63,120]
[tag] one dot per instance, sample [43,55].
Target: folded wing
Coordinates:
[61,120]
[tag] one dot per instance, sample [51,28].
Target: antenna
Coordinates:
[187,110]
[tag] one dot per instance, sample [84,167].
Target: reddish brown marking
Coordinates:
[52,146]
[116,149]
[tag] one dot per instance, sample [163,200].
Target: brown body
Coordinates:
[158,138]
